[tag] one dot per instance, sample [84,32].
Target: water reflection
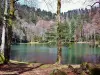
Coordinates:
[77,54]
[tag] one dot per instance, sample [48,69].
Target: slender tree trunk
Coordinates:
[94,39]
[99,3]
[3,39]
[70,32]
[99,8]
[59,52]
[4,27]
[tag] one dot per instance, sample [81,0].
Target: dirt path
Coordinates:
[28,69]
[17,69]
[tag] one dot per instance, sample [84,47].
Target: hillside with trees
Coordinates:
[75,23]
[33,24]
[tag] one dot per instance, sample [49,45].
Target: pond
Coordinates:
[42,53]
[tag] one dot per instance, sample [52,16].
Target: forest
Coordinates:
[30,37]
[76,25]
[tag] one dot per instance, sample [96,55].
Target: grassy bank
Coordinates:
[33,43]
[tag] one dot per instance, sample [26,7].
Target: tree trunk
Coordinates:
[9,33]
[4,27]
[99,4]
[3,40]
[59,52]
[4,31]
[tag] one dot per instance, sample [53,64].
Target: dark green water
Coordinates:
[76,54]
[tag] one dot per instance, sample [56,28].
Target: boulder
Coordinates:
[57,72]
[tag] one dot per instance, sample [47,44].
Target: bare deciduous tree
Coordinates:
[59,52]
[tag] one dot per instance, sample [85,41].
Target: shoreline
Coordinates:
[47,42]
[83,42]
[18,62]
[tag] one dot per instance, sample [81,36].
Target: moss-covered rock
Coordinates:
[57,72]
[83,66]
[90,66]
[83,73]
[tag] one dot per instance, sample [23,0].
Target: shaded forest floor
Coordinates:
[49,69]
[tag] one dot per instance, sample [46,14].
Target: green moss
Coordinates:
[1,59]
[46,66]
